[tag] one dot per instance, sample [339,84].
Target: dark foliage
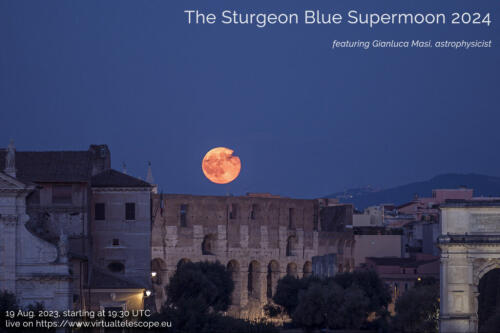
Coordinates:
[207,286]
[287,292]
[342,302]
[8,302]
[374,288]
[417,310]
[198,294]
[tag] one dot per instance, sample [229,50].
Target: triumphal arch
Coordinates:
[470,249]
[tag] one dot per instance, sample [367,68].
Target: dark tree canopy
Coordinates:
[417,310]
[374,288]
[209,285]
[197,294]
[287,292]
[341,302]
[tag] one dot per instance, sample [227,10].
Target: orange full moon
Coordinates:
[220,166]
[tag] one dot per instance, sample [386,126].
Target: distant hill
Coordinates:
[486,186]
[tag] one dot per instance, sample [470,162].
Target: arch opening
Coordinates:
[253,280]
[291,246]
[291,269]
[307,269]
[208,245]
[489,301]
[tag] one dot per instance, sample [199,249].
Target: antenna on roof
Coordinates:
[149,177]
[124,168]
[10,160]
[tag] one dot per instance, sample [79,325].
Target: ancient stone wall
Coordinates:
[259,239]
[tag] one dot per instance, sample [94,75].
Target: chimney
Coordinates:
[10,160]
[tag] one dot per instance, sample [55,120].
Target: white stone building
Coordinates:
[30,267]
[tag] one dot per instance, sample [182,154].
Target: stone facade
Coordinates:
[53,250]
[30,267]
[121,237]
[470,248]
[260,239]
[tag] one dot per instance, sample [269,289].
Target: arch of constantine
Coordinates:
[470,248]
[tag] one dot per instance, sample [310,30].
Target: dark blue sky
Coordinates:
[305,120]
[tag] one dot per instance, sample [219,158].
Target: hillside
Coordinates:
[363,197]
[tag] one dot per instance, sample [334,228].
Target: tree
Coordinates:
[288,289]
[197,295]
[417,310]
[206,285]
[325,304]
[310,312]
[374,288]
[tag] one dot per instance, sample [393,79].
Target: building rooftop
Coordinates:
[113,178]
[51,166]
[482,202]
[401,262]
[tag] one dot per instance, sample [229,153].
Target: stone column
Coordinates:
[9,239]
[264,238]
[244,284]
[456,313]
[282,237]
[244,236]
[221,239]
[197,239]
[300,244]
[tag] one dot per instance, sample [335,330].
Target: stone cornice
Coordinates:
[468,239]
[120,189]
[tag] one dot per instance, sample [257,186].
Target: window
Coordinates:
[291,213]
[100,211]
[116,267]
[253,213]
[208,245]
[130,211]
[183,215]
[62,194]
[234,211]
[116,242]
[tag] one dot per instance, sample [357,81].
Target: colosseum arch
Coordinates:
[253,284]
[273,275]
[307,270]
[234,268]
[470,250]
[208,246]
[291,269]
[182,262]
[291,246]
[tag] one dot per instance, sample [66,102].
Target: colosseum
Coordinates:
[259,237]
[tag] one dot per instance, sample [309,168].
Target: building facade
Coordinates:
[32,268]
[470,250]
[259,239]
[53,250]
